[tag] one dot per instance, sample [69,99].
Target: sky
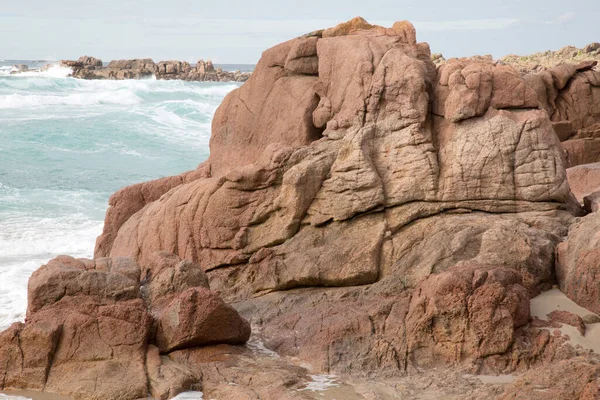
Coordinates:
[238,31]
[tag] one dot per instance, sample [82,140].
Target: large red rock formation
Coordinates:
[348,159]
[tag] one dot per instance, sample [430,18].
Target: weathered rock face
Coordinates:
[539,62]
[117,69]
[90,330]
[352,170]
[131,199]
[82,62]
[567,379]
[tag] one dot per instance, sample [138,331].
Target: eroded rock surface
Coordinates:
[349,161]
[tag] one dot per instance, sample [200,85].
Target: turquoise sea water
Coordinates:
[66,145]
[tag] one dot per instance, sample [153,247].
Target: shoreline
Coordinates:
[91,68]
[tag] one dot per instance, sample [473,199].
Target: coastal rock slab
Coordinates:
[64,276]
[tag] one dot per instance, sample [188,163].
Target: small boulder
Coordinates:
[198,317]
[18,68]
[90,61]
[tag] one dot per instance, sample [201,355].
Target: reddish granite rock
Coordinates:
[89,333]
[80,347]
[581,151]
[347,175]
[578,263]
[468,312]
[131,199]
[591,202]
[166,276]
[103,278]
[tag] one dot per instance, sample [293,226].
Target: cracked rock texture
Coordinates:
[349,159]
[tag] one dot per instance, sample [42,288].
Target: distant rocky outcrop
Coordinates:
[372,215]
[549,59]
[92,68]
[18,68]
[538,62]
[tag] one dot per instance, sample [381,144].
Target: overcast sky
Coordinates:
[238,31]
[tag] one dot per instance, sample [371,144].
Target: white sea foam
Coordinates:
[12,397]
[189,396]
[65,125]
[28,242]
[132,153]
[13,290]
[26,236]
[54,71]
[20,101]
[321,382]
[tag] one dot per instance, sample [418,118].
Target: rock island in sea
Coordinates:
[92,68]
[386,227]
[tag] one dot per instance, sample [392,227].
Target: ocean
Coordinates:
[66,145]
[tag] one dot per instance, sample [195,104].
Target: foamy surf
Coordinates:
[67,144]
[189,396]
[321,382]
[53,71]
[12,397]
[78,99]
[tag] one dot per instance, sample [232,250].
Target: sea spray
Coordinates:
[66,145]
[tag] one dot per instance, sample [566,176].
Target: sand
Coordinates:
[554,299]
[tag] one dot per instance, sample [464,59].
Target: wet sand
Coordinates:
[554,299]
